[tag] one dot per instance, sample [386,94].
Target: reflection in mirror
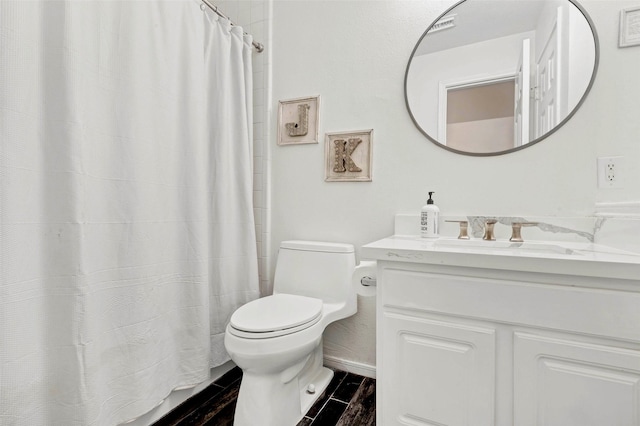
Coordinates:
[493,76]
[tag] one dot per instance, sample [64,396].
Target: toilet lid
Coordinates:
[275,313]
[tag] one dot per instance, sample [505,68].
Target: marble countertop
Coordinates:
[554,257]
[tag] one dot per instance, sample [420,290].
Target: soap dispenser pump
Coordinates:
[429,219]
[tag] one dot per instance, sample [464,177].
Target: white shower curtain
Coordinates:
[127,233]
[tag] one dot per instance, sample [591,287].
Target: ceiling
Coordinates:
[480,20]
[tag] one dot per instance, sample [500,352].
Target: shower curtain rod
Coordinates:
[259,46]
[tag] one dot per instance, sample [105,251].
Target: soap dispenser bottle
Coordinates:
[429,219]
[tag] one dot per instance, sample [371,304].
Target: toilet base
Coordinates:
[321,381]
[281,399]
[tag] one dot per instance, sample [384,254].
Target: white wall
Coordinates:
[354,53]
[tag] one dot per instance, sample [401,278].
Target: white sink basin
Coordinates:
[490,247]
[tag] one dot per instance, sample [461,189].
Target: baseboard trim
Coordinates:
[354,367]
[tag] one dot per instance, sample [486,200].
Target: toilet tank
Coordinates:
[315,269]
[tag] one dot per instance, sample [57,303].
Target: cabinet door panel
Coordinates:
[572,383]
[440,373]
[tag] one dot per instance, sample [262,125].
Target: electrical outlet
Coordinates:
[610,172]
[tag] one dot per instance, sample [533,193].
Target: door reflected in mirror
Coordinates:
[480,113]
[493,76]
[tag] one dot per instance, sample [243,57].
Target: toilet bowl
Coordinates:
[277,340]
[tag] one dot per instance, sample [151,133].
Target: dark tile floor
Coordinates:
[349,400]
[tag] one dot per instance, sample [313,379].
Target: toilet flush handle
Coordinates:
[368,281]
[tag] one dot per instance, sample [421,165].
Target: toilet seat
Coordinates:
[275,315]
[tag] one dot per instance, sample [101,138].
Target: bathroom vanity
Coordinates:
[499,334]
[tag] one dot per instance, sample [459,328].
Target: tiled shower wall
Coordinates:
[254,17]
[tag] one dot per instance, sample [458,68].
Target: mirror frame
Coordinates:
[533,142]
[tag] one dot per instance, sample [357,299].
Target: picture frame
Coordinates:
[629,27]
[349,156]
[298,121]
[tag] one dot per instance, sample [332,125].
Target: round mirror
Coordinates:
[490,77]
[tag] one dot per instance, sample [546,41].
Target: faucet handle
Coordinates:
[464,226]
[516,231]
[488,230]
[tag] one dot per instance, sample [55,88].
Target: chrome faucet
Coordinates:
[488,230]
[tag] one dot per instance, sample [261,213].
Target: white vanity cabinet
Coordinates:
[468,345]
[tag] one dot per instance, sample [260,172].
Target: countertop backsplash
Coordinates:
[620,232]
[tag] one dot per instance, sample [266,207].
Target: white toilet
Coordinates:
[277,340]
